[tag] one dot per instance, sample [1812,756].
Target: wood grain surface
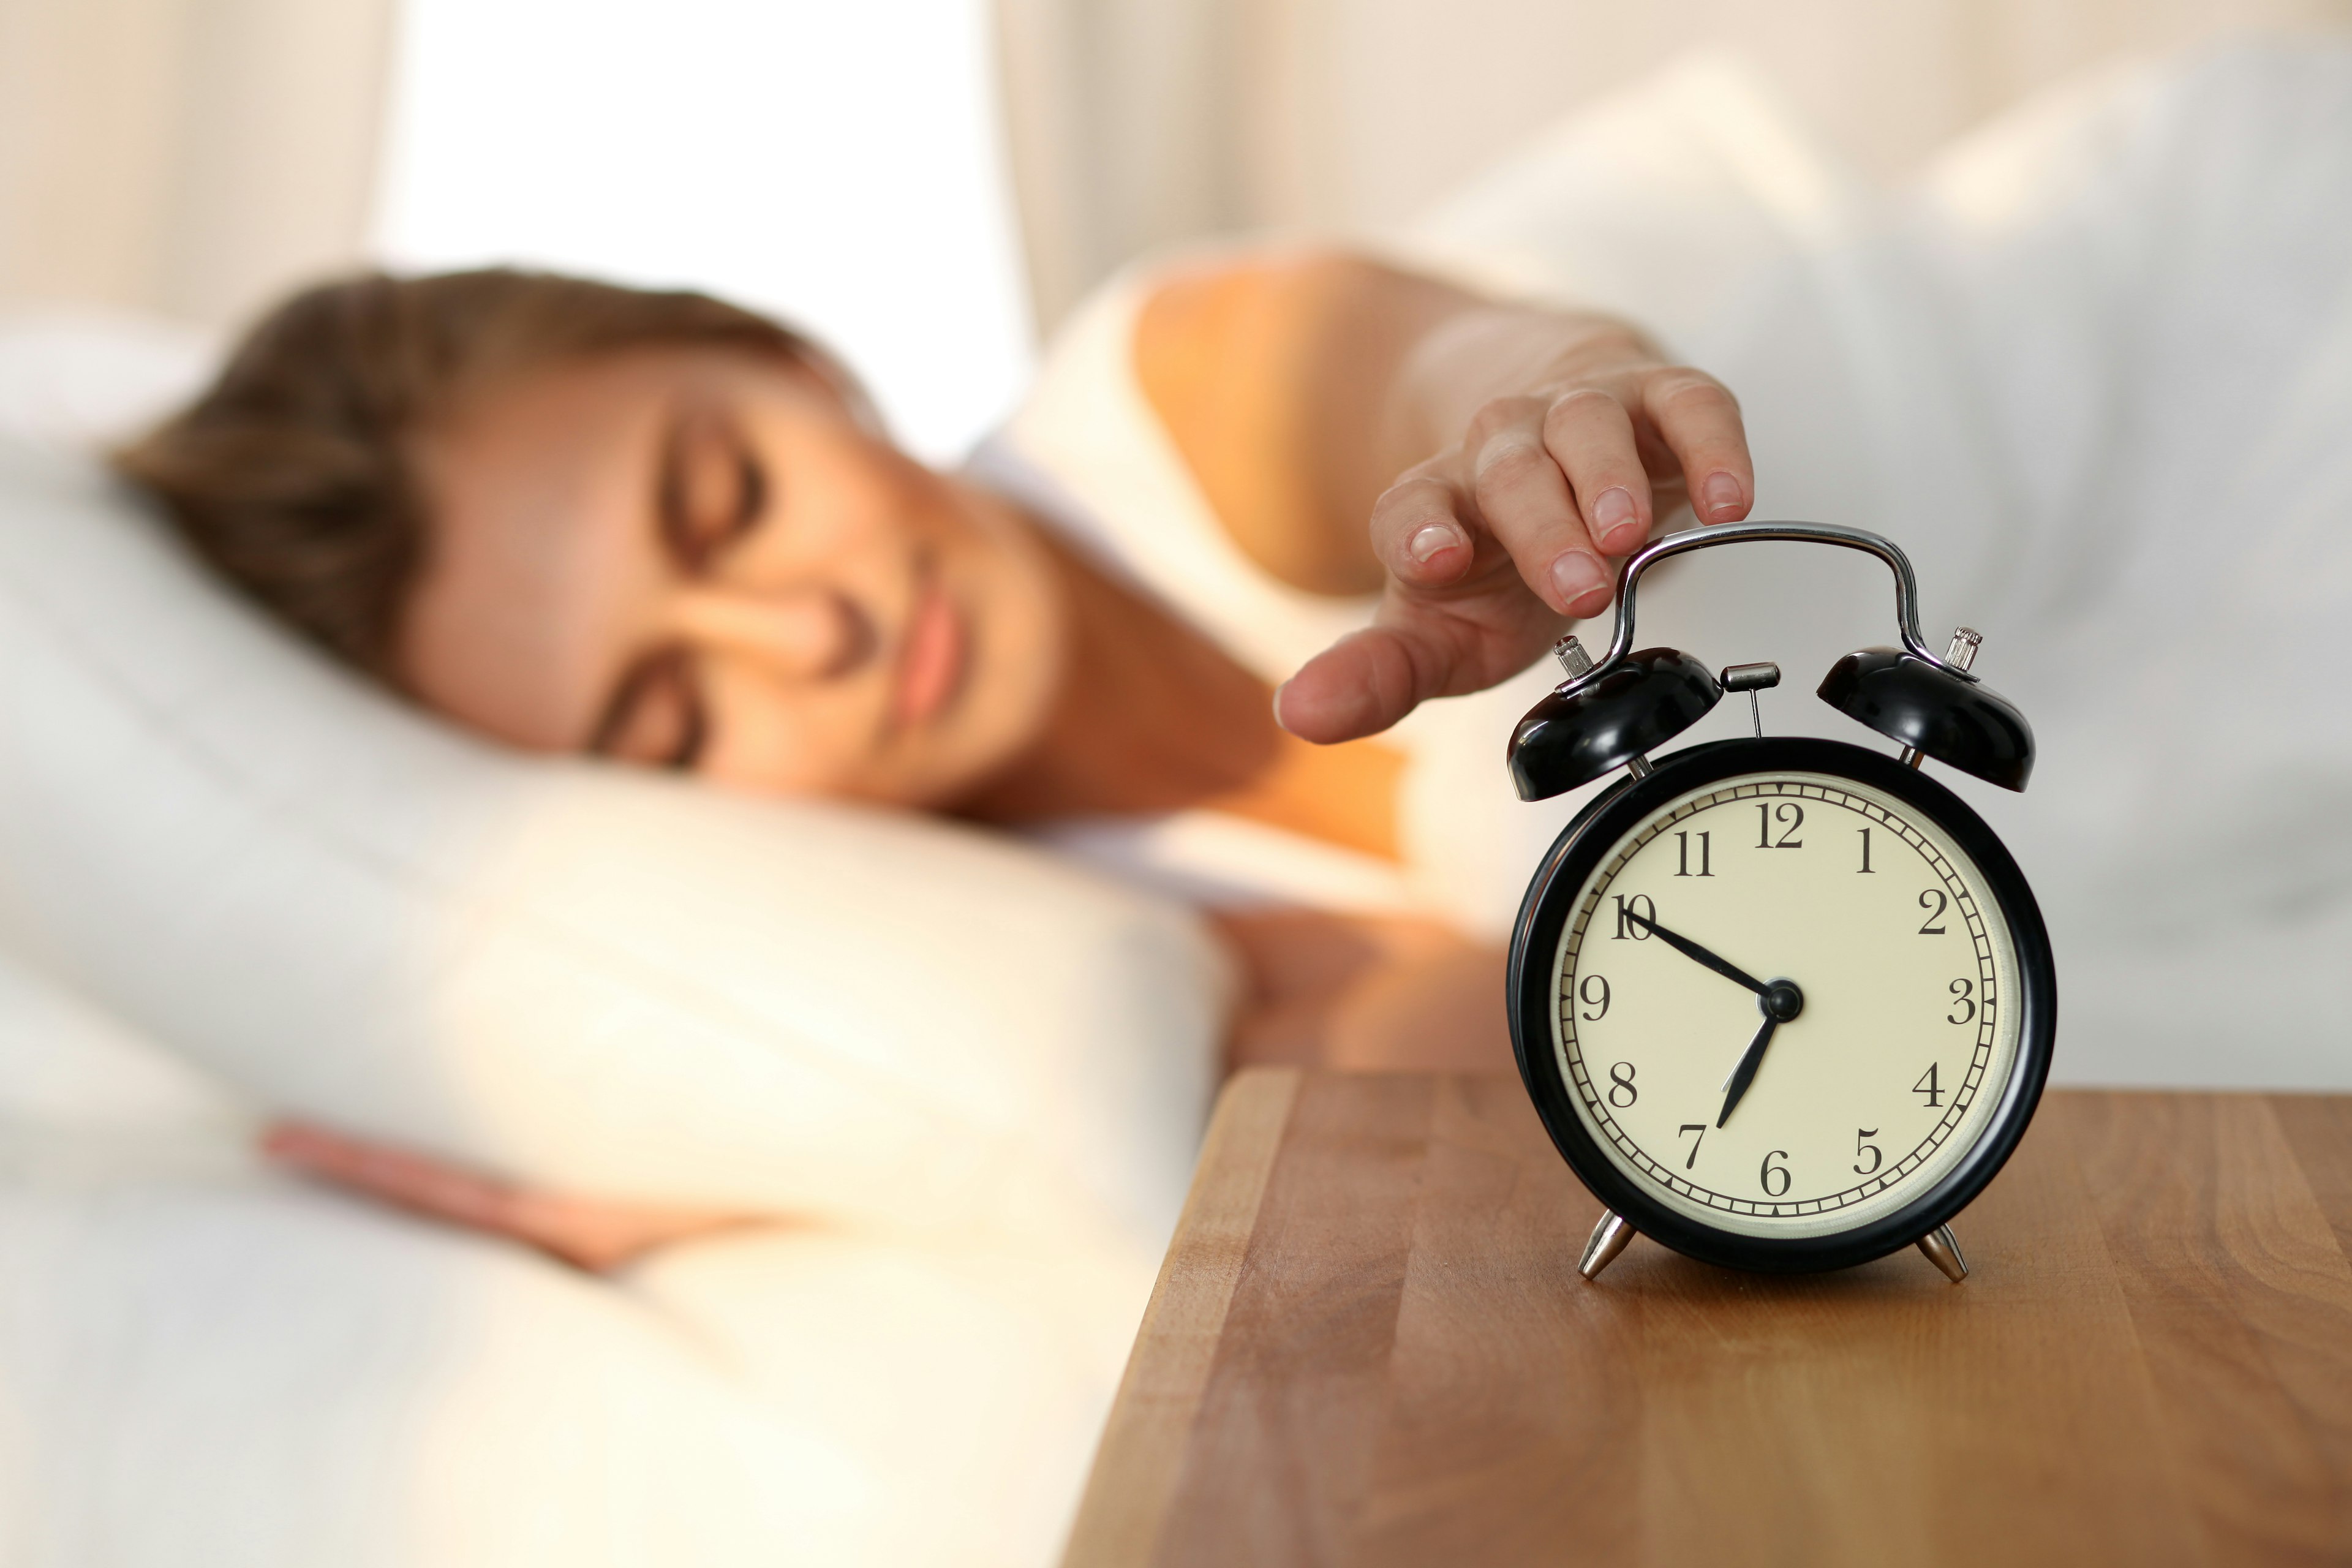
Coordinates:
[1369,1345]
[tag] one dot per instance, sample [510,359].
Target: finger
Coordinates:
[588,1233]
[1590,435]
[594,1237]
[600,1237]
[1698,419]
[1421,531]
[1523,498]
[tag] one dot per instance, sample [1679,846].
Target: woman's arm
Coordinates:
[1365,993]
[1501,453]
[595,1234]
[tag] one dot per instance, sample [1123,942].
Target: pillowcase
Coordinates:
[77,378]
[593,979]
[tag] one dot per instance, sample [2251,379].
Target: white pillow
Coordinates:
[76,378]
[604,981]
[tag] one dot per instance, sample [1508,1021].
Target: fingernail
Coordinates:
[1432,537]
[1575,576]
[1613,525]
[1278,705]
[1722,494]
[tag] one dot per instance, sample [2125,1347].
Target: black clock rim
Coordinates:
[1546,909]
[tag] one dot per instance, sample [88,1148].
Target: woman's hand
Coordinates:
[1564,440]
[586,1233]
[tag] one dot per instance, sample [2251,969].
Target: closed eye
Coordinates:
[656,716]
[713,489]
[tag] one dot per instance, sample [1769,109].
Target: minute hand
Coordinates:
[1691,949]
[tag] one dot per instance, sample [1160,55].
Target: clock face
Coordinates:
[1899,1026]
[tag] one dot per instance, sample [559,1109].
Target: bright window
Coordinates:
[836,163]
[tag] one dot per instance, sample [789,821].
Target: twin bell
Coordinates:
[1611,713]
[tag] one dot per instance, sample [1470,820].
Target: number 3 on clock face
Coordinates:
[1780,1017]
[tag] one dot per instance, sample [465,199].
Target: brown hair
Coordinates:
[290,475]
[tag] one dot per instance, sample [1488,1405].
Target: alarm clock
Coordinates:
[1782,1004]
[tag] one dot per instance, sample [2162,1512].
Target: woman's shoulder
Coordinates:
[1092,452]
[1228,350]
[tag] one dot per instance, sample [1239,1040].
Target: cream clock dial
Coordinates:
[1865,1043]
[1782,1004]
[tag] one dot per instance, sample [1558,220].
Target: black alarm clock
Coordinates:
[1784,1005]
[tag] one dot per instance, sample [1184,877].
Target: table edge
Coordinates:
[1138,1462]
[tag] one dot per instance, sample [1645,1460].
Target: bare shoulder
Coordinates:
[1239,360]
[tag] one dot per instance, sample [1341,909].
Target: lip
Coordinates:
[932,656]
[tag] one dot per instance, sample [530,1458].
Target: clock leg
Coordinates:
[1943,1250]
[1608,1239]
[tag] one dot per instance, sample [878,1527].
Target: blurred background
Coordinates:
[929,183]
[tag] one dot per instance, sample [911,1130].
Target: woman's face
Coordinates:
[704,558]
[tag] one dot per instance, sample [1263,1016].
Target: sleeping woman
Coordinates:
[659,528]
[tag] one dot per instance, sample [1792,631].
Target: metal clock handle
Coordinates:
[1629,575]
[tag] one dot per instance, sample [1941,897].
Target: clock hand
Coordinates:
[1780,1001]
[1736,1085]
[1690,949]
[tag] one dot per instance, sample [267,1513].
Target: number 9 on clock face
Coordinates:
[1782,1016]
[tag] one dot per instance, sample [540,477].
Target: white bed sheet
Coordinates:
[206,1363]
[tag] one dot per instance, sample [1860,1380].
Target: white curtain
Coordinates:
[189,158]
[194,157]
[1137,122]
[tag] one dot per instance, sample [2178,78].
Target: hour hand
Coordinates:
[1735,1088]
[1691,949]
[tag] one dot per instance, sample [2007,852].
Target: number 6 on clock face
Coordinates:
[1782,1004]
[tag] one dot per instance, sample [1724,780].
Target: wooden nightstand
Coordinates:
[1369,1345]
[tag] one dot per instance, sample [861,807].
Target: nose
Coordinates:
[811,633]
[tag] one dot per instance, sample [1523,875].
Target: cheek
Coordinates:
[843,492]
[773,737]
